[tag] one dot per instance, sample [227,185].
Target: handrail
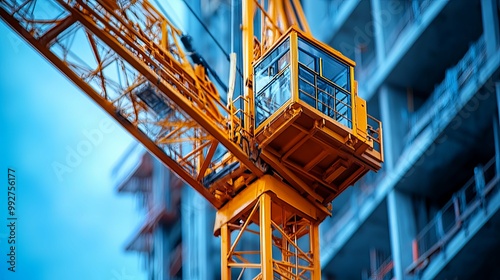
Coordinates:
[450,219]
[384,270]
[375,133]
[445,93]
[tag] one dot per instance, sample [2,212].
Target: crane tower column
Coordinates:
[287,227]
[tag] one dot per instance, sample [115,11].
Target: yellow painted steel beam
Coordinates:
[207,159]
[314,244]
[225,245]
[246,199]
[166,88]
[290,176]
[280,226]
[109,108]
[266,242]
[247,45]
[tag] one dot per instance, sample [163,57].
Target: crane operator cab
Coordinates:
[308,114]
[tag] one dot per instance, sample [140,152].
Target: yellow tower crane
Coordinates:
[296,137]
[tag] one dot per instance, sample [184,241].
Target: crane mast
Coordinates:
[270,161]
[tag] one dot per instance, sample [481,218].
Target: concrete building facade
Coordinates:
[429,70]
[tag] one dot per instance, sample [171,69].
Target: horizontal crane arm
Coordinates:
[128,60]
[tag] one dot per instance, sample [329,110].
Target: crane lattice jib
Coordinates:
[270,161]
[128,58]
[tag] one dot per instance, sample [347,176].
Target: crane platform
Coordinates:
[309,118]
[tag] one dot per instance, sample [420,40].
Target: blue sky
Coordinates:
[73,225]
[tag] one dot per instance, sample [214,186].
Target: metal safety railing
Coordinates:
[473,60]
[445,94]
[139,184]
[385,271]
[454,215]
[325,96]
[375,133]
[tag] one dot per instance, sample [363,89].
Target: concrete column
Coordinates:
[188,237]
[491,25]
[162,251]
[496,130]
[161,198]
[379,30]
[161,182]
[402,230]
[496,137]
[394,116]
[195,236]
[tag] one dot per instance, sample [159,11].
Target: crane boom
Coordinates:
[270,166]
[118,54]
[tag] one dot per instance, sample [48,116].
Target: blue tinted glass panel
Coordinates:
[332,68]
[272,82]
[337,72]
[324,83]
[307,60]
[272,97]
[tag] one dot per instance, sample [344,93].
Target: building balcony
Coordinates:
[470,218]
[453,127]
[443,129]
[447,93]
[413,45]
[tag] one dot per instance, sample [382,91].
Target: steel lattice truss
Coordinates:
[296,259]
[116,51]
